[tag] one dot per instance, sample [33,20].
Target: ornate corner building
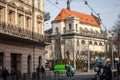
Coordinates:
[21,35]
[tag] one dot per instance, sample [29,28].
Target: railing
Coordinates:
[20,32]
[89,34]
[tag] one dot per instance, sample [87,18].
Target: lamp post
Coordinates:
[112,56]
[88,58]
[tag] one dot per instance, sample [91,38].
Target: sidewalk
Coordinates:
[116,78]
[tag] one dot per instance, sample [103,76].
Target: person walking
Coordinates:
[5,74]
[43,73]
[68,71]
[107,72]
[38,72]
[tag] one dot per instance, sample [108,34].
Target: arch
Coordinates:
[95,43]
[82,42]
[39,61]
[100,44]
[29,63]
[90,42]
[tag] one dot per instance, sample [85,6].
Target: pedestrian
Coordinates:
[118,69]
[38,72]
[42,72]
[107,72]
[13,73]
[5,73]
[68,71]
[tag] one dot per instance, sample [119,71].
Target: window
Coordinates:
[77,42]
[10,17]
[27,22]
[38,4]
[95,43]
[70,27]
[64,29]
[83,42]
[39,27]
[100,44]
[20,20]
[90,42]
[76,27]
[0,15]
[56,29]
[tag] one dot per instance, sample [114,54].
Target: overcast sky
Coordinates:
[108,10]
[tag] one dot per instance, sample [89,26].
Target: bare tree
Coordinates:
[116,31]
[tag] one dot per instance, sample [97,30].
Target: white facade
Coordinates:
[78,39]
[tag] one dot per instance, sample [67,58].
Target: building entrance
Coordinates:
[1,63]
[16,61]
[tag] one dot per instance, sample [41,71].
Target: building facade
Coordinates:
[81,37]
[21,35]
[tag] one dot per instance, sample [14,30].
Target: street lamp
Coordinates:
[88,58]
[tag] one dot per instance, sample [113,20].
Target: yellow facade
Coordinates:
[21,35]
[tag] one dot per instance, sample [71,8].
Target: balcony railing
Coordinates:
[20,32]
[88,34]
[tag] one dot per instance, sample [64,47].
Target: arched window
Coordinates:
[83,42]
[56,29]
[29,64]
[100,44]
[90,42]
[70,27]
[39,60]
[95,43]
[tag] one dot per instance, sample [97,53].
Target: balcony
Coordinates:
[87,34]
[19,32]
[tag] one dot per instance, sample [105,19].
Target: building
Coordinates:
[21,35]
[81,37]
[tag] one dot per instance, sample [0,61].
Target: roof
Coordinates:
[85,18]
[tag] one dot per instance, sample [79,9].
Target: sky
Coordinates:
[108,10]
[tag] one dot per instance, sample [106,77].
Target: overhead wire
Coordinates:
[98,15]
[53,4]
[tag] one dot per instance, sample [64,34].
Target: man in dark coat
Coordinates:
[5,74]
[107,72]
